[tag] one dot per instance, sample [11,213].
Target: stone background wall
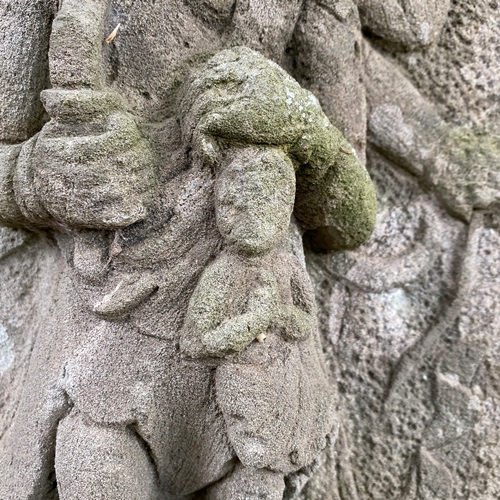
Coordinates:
[409,322]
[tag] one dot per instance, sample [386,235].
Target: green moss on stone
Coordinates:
[466,172]
[239,96]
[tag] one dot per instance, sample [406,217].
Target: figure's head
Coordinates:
[254,197]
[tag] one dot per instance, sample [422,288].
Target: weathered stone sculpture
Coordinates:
[160,336]
[89,171]
[257,287]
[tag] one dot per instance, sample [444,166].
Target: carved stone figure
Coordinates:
[89,171]
[160,336]
[258,326]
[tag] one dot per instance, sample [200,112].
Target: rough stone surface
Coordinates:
[184,309]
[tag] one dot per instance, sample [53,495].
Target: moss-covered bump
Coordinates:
[466,173]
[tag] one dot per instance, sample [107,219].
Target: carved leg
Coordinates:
[95,461]
[247,483]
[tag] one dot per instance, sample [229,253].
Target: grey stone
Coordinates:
[185,310]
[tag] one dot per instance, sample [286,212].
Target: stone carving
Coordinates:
[389,337]
[259,149]
[243,305]
[90,326]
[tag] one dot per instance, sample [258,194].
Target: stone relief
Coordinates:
[179,267]
[249,337]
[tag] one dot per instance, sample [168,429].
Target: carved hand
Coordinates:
[241,97]
[90,166]
[295,324]
[234,334]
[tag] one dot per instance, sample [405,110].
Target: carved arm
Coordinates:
[26,25]
[207,329]
[89,167]
[239,96]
